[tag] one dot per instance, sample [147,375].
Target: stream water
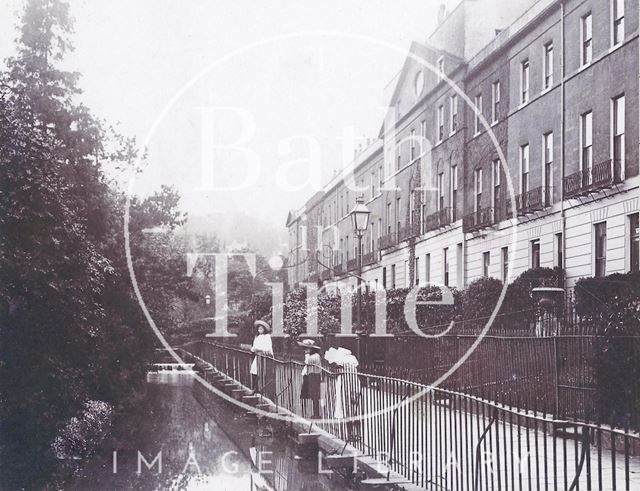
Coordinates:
[188,439]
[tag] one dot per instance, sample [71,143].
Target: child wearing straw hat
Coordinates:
[262,345]
[311,375]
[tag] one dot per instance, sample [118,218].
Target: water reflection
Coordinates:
[188,439]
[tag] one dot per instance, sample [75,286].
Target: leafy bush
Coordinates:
[617,363]
[518,308]
[479,300]
[295,312]
[82,434]
[596,296]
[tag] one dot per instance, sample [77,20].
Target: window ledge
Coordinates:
[615,47]
[585,66]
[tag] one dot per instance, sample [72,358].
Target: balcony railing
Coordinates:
[437,220]
[408,230]
[532,200]
[370,258]
[352,264]
[388,240]
[600,176]
[327,274]
[503,210]
[338,268]
[477,220]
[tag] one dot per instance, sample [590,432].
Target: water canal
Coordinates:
[200,442]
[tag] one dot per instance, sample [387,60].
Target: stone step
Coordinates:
[383,481]
[337,461]
[238,394]
[251,400]
[307,438]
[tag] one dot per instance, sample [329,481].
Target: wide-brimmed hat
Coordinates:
[264,324]
[309,344]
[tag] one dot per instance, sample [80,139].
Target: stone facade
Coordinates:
[549,167]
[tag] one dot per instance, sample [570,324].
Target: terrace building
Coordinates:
[532,160]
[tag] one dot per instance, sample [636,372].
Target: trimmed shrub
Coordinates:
[596,296]
[479,300]
[518,308]
[617,363]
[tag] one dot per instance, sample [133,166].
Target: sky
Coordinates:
[285,81]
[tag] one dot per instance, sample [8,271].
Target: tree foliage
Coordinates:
[71,330]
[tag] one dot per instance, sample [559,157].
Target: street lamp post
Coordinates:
[360,221]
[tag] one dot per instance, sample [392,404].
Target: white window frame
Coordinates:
[412,198]
[547,65]
[617,18]
[440,190]
[477,114]
[423,137]
[584,117]
[477,188]
[440,123]
[427,268]
[595,248]
[630,237]
[615,110]
[525,167]
[453,186]
[586,43]
[495,101]
[453,114]
[545,161]
[486,263]
[525,79]
[445,267]
[495,181]
[440,67]
[531,244]
[504,264]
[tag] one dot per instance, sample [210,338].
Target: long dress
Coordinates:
[347,387]
[311,377]
[261,345]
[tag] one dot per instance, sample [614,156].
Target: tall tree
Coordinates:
[70,328]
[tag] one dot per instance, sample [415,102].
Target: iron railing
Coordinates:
[338,268]
[437,220]
[443,439]
[600,176]
[352,264]
[478,220]
[408,231]
[370,258]
[530,201]
[387,241]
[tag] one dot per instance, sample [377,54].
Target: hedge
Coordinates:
[473,305]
